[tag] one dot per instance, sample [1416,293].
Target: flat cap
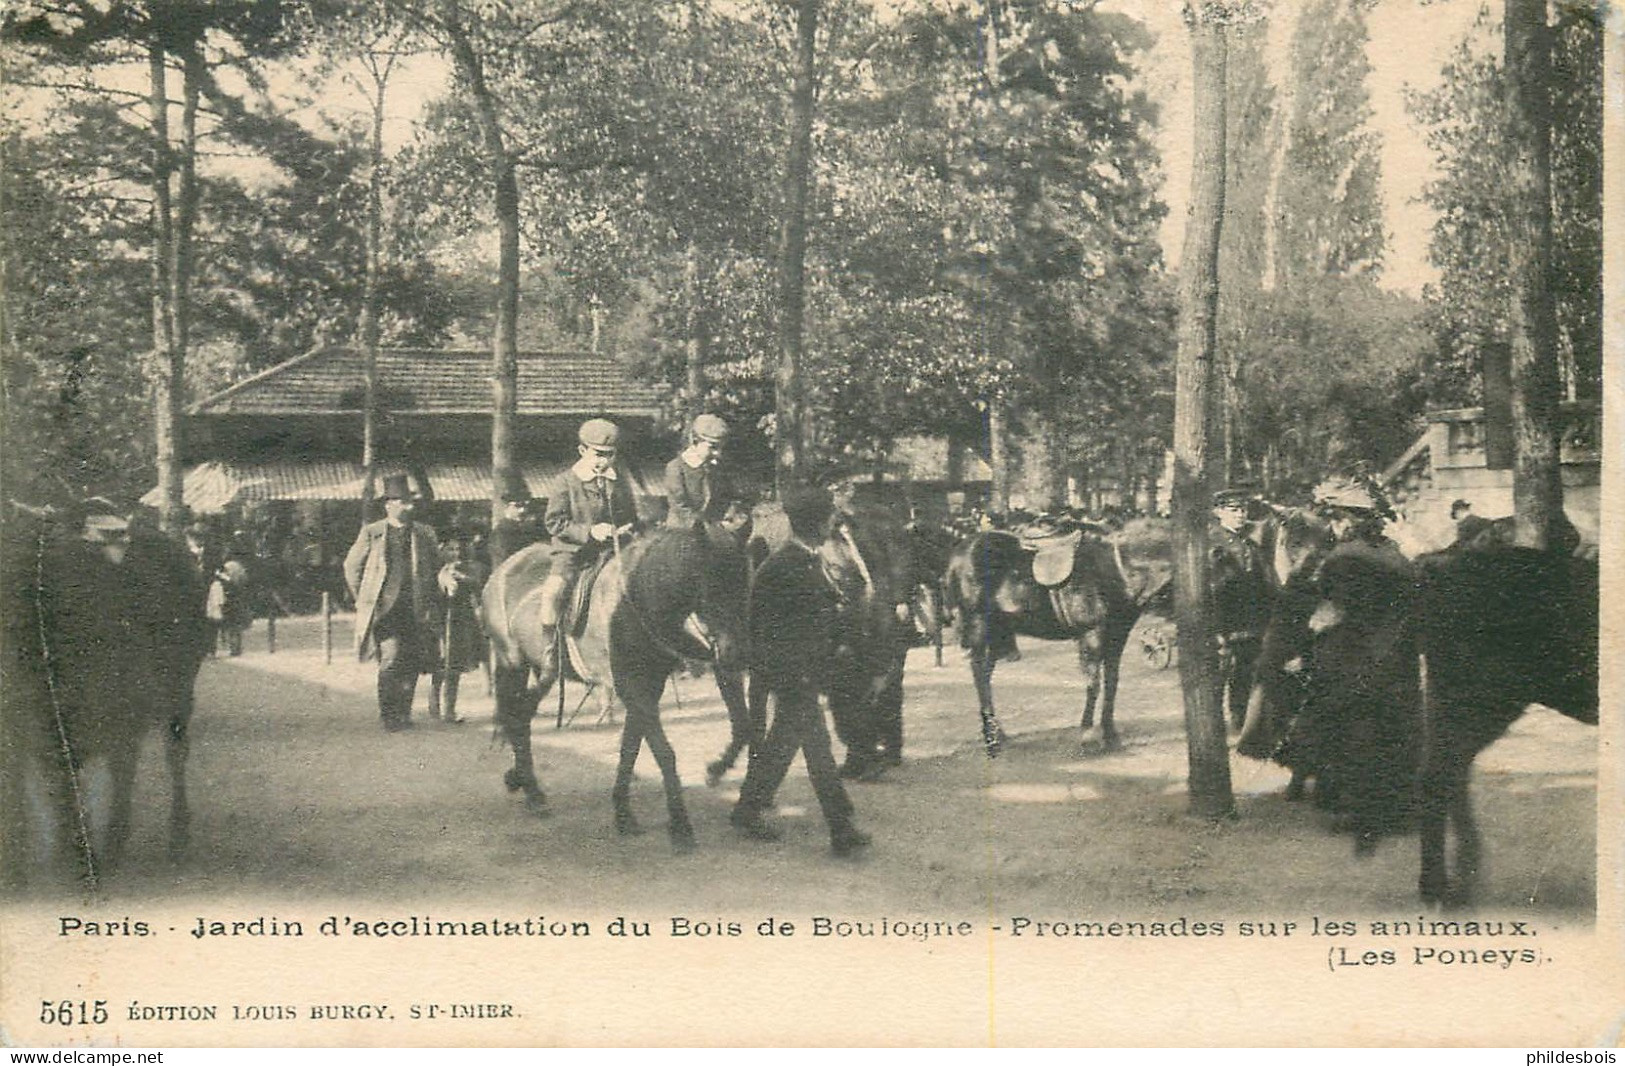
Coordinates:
[710,428]
[599,433]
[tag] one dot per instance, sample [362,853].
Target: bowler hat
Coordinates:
[599,433]
[397,487]
[710,428]
[1231,498]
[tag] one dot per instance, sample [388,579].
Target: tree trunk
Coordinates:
[369,299]
[691,327]
[789,413]
[1207,746]
[165,393]
[998,457]
[1537,485]
[505,339]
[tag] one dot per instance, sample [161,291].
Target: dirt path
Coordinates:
[298,793]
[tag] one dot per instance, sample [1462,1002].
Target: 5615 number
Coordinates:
[73,1012]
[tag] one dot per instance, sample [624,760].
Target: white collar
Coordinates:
[583,470]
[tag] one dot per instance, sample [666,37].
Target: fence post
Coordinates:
[327,628]
[270,632]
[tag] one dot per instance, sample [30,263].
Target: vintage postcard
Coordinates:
[302,751]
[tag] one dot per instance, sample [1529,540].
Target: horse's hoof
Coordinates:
[626,824]
[1111,741]
[714,773]
[682,839]
[513,780]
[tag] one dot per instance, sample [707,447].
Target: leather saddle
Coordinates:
[579,601]
[1055,550]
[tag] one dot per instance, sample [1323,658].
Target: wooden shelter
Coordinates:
[294,432]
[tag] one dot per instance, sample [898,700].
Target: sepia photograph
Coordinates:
[810,523]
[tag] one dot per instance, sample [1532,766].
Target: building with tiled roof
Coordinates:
[294,432]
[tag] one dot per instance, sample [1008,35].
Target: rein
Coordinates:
[81,817]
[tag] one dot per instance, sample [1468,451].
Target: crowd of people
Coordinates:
[417,594]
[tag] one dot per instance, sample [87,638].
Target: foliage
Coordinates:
[1320,365]
[1465,119]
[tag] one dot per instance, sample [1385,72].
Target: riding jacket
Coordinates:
[579,500]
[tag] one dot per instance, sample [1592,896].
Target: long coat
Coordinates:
[364,569]
[793,620]
[458,632]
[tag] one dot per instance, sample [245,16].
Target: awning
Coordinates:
[212,486]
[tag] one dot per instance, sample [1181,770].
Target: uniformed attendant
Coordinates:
[793,636]
[520,526]
[871,727]
[589,506]
[697,488]
[1240,596]
[391,570]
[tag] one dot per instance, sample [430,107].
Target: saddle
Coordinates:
[1055,550]
[579,600]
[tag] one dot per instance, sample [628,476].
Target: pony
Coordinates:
[1091,588]
[1384,677]
[671,596]
[96,655]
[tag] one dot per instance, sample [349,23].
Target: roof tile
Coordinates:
[430,381]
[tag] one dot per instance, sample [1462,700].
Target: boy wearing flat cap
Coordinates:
[697,490]
[589,505]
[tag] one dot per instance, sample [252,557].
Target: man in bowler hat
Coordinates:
[391,571]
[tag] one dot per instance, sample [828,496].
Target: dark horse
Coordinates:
[1367,642]
[1109,580]
[96,654]
[872,570]
[675,595]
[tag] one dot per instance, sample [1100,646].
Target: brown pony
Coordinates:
[674,595]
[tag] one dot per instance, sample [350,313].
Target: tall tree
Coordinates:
[1302,251]
[1328,209]
[1194,372]
[789,411]
[491,46]
[87,35]
[1537,484]
[1465,122]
